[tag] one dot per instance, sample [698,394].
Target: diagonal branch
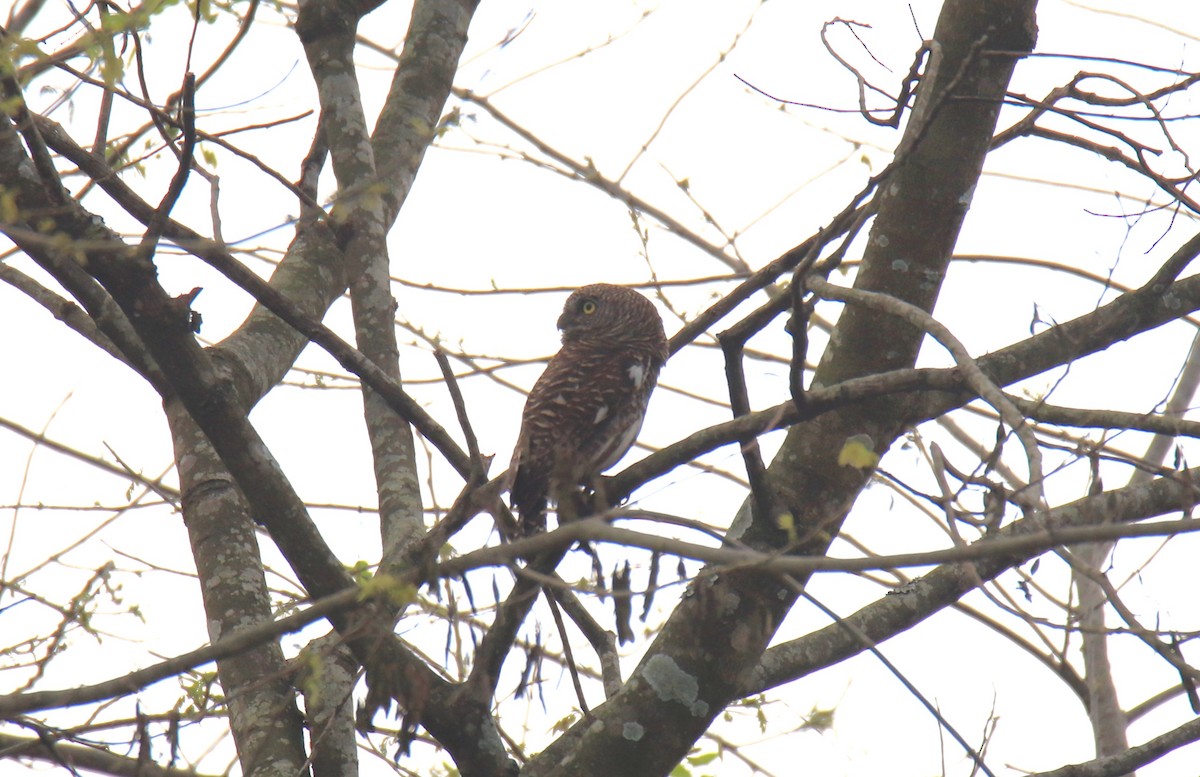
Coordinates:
[1133,758]
[165,326]
[938,391]
[291,312]
[158,222]
[234,644]
[892,615]
[45,747]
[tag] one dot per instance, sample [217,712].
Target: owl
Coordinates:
[586,409]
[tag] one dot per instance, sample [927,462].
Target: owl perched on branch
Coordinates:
[586,409]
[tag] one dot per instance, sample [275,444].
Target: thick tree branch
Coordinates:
[939,391]
[1108,511]
[232,645]
[48,750]
[257,338]
[1134,757]
[233,586]
[164,325]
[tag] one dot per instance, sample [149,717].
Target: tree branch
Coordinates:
[47,749]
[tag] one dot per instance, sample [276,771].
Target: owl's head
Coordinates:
[611,314]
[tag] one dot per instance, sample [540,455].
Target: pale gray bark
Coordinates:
[263,716]
[1104,707]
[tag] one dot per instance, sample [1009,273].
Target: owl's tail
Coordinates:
[528,498]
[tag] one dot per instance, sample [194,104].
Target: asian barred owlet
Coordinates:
[586,409]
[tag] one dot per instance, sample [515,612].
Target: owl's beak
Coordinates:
[562,322]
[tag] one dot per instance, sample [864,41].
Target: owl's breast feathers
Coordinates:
[586,409]
[583,415]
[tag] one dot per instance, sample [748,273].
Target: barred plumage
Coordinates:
[586,409]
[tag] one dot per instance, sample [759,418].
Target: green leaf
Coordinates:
[858,452]
[819,720]
[361,572]
[398,593]
[10,213]
[787,522]
[565,723]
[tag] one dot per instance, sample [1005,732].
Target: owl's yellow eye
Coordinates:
[588,307]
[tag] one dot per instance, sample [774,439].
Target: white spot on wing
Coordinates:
[637,374]
[601,414]
[559,399]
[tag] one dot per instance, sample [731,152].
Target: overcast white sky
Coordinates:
[474,220]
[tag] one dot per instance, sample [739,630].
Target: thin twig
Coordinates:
[479,466]
[869,644]
[569,655]
[732,342]
[601,639]
[158,222]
